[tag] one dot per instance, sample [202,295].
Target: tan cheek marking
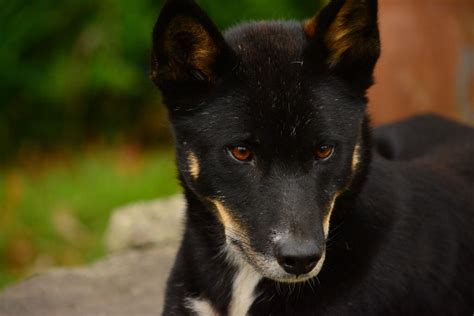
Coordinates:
[327,218]
[194,167]
[230,224]
[224,215]
[355,157]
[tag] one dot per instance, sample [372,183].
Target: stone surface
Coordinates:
[130,283]
[152,223]
[142,238]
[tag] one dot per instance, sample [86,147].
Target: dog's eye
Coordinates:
[323,152]
[240,153]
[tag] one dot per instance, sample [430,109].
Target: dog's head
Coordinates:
[268,120]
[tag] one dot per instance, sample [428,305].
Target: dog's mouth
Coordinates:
[241,253]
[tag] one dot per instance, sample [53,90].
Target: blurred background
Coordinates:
[83,131]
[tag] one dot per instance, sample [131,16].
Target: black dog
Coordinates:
[293,207]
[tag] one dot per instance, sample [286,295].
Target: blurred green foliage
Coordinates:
[57,216]
[72,71]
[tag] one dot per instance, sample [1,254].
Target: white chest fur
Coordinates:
[243,295]
[243,290]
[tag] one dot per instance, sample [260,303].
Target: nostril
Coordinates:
[312,261]
[289,263]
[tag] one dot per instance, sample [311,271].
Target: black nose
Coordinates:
[297,257]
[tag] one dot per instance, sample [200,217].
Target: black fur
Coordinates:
[402,228]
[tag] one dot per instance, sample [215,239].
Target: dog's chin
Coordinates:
[268,267]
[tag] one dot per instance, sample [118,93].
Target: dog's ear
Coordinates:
[345,37]
[189,53]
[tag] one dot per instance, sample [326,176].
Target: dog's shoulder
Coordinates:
[418,136]
[429,141]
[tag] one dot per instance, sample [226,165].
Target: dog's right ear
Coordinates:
[189,53]
[344,35]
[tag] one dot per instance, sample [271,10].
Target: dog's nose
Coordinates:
[297,257]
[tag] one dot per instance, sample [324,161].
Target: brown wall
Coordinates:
[427,62]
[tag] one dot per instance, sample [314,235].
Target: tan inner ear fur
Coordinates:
[203,51]
[309,26]
[343,34]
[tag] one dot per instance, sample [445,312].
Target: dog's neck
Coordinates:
[233,281]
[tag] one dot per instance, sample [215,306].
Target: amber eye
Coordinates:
[241,153]
[323,152]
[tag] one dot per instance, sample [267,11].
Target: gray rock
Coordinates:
[153,223]
[130,283]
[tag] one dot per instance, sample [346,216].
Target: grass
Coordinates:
[57,214]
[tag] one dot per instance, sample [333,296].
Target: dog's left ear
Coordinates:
[189,53]
[344,36]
